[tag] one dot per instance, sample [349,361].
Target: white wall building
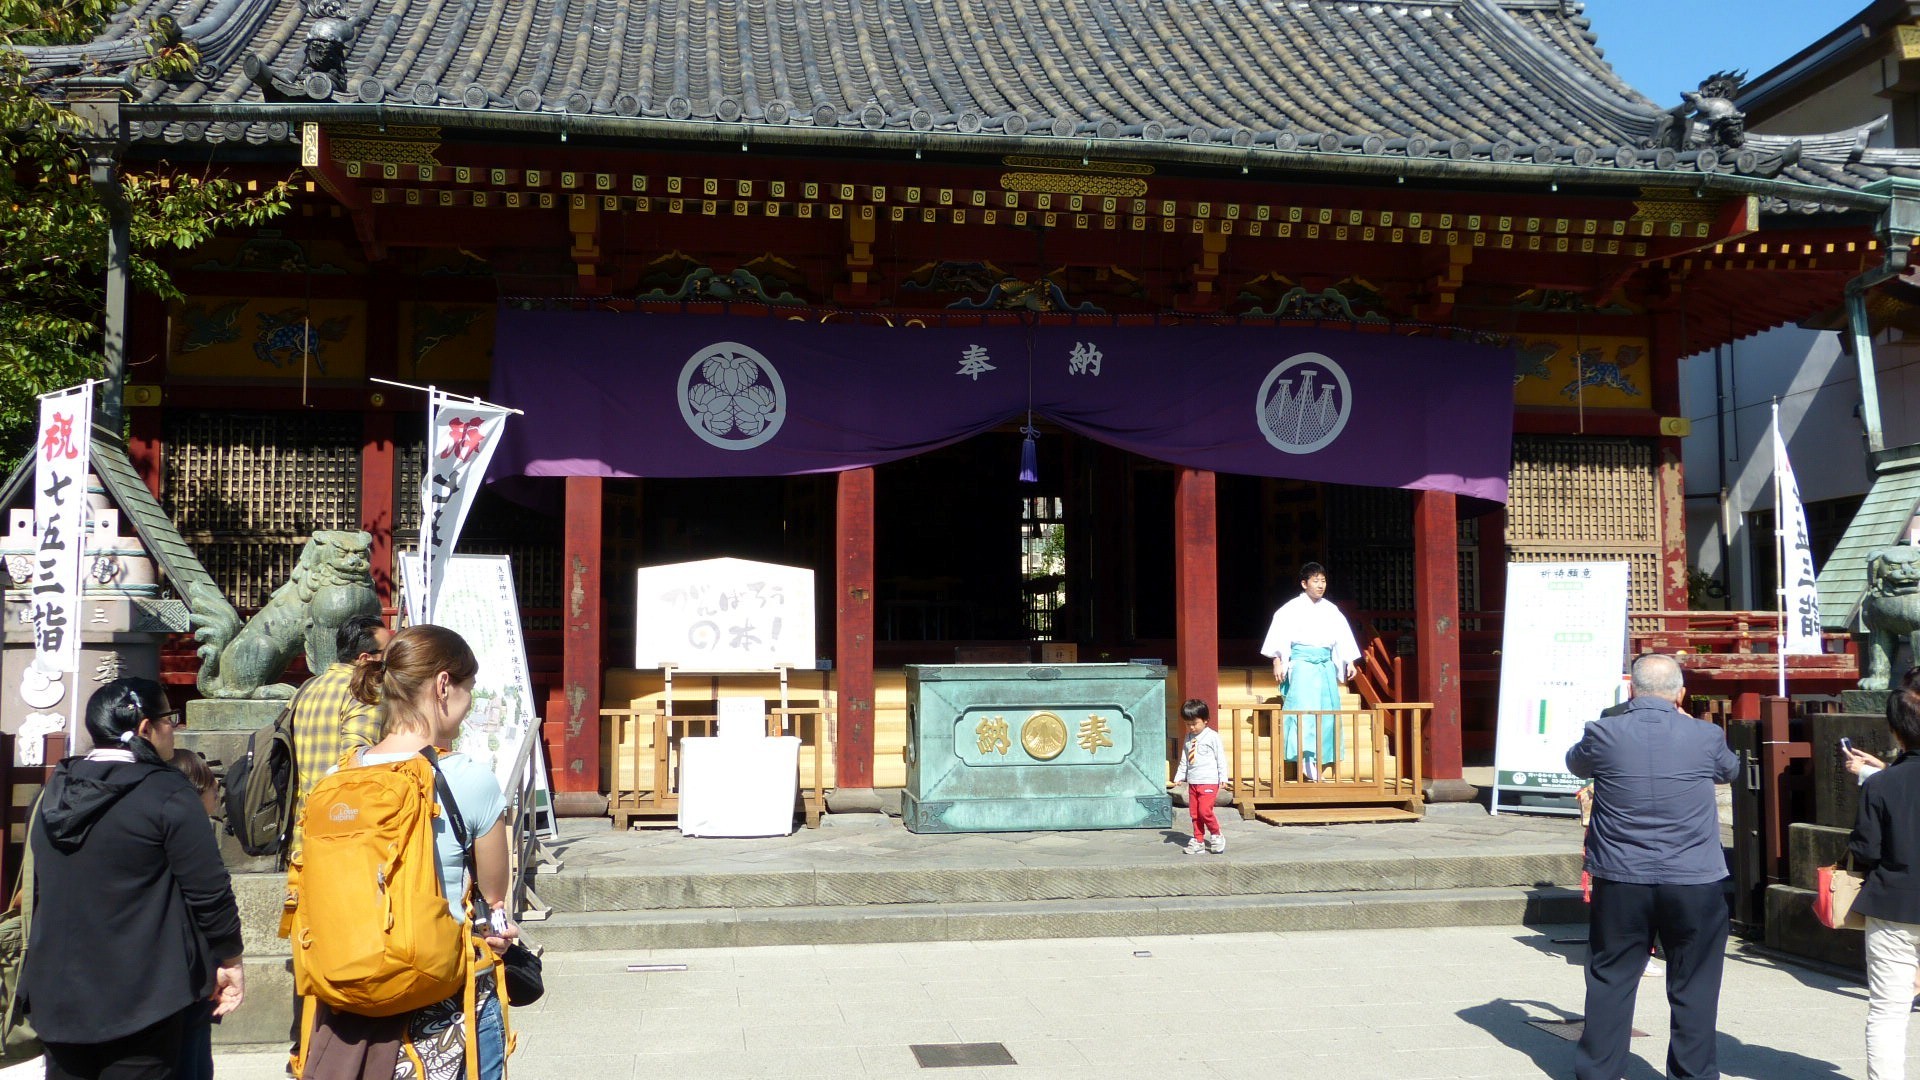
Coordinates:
[1858,76]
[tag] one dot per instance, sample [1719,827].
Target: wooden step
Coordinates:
[1334,815]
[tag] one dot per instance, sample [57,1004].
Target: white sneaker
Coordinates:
[1309,769]
[1217,844]
[1196,846]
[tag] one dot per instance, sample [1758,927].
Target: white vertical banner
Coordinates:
[461,437]
[60,527]
[1799,599]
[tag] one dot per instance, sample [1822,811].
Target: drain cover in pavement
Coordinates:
[956,1055]
[1570,1029]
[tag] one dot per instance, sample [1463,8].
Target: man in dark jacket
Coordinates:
[1653,850]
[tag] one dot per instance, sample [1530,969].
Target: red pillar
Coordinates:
[1436,612]
[1196,587]
[577,758]
[853,629]
[1664,371]
[376,498]
[145,443]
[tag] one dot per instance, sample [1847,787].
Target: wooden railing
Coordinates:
[1730,641]
[1373,776]
[644,779]
[1380,675]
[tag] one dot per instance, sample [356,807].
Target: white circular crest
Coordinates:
[731,396]
[1303,404]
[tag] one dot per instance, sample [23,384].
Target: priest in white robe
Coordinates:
[1313,653]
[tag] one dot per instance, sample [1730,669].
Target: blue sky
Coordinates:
[1662,47]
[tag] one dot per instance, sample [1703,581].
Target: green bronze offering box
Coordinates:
[1028,748]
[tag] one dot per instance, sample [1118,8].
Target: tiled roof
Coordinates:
[1492,81]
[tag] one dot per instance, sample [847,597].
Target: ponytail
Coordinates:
[367,676]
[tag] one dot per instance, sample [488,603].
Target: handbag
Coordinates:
[524,984]
[1836,889]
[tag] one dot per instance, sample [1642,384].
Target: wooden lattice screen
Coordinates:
[247,489]
[1370,544]
[1576,499]
[495,526]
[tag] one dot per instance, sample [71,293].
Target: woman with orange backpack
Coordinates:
[396,962]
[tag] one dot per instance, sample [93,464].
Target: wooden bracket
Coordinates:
[860,263]
[1444,285]
[316,156]
[1206,273]
[583,220]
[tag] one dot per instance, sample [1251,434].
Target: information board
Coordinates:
[477,601]
[724,615]
[1561,655]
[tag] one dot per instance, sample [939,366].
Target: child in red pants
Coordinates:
[1203,767]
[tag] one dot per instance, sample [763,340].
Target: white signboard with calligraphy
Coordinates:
[60,527]
[461,438]
[477,601]
[1561,654]
[1799,599]
[725,615]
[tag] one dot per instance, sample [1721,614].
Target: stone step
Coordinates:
[1793,928]
[586,891]
[689,928]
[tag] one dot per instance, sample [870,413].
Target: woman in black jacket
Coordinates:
[134,920]
[1886,844]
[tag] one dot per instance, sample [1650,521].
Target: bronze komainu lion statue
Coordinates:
[330,584]
[1891,610]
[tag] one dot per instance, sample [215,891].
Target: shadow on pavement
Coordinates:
[1507,1021]
[1809,974]
[1567,942]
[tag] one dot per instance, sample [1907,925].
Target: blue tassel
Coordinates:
[1029,460]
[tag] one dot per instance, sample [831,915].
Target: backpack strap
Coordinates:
[470,1002]
[460,834]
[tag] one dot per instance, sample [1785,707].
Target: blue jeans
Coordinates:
[491,1038]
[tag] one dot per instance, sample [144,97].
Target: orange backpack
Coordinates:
[371,931]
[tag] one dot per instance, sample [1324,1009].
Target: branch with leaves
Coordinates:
[54,224]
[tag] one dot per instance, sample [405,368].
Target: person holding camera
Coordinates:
[1886,845]
[1653,852]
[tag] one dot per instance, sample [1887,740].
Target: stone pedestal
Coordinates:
[1836,793]
[120,638]
[217,729]
[1791,926]
[1870,702]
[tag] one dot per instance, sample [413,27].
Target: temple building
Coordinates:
[1399,288]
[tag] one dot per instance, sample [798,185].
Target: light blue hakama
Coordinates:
[1313,688]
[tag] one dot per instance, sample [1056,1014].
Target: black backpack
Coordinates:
[260,787]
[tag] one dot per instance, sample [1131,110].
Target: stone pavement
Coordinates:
[1379,1004]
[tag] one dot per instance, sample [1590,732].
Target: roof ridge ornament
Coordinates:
[322,71]
[1707,118]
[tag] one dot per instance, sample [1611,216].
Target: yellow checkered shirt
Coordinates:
[328,721]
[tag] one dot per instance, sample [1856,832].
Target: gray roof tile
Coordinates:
[1518,80]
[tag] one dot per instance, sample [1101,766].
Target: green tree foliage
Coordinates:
[53,223]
